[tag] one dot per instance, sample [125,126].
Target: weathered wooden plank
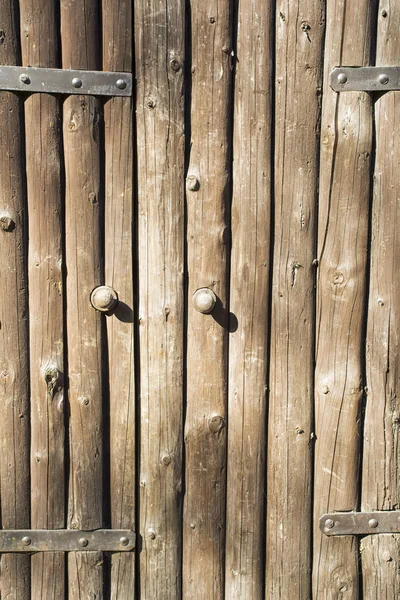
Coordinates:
[159,43]
[208,198]
[299,40]
[346,142]
[249,296]
[40,48]
[117,56]
[380,486]
[83,206]
[14,359]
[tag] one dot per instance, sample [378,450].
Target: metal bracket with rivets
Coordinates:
[66,540]
[65,81]
[360,523]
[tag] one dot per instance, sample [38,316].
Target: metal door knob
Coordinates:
[204,300]
[104,298]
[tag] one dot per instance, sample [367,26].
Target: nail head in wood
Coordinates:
[104,298]
[204,300]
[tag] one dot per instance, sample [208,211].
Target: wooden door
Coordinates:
[199,352]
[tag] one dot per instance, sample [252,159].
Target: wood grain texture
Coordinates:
[380,486]
[208,243]
[299,41]
[14,359]
[159,46]
[40,48]
[249,297]
[346,143]
[117,56]
[82,122]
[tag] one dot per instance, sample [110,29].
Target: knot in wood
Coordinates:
[6,223]
[216,423]
[166,459]
[193,184]
[175,65]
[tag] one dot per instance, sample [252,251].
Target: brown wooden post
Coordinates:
[40,48]
[208,199]
[346,143]
[250,276]
[380,484]
[117,56]
[299,39]
[160,66]
[14,360]
[83,205]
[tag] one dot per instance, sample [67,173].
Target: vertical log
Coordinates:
[159,42]
[117,56]
[208,196]
[380,484]
[40,48]
[14,360]
[346,143]
[83,204]
[251,205]
[299,40]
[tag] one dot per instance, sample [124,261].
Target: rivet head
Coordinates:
[104,298]
[83,542]
[342,78]
[383,79]
[329,523]
[151,533]
[26,540]
[124,541]
[372,523]
[76,82]
[121,84]
[24,78]
[204,300]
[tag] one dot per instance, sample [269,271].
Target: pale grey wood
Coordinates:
[380,483]
[39,27]
[298,81]
[159,50]
[249,299]
[208,244]
[14,327]
[346,145]
[119,244]
[82,122]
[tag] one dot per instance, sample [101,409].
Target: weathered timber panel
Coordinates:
[299,36]
[380,484]
[82,124]
[346,145]
[249,292]
[40,48]
[221,438]
[208,199]
[14,358]
[160,68]
[118,121]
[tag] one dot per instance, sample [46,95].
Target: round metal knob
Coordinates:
[204,300]
[104,298]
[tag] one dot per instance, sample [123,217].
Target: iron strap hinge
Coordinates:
[365,79]
[360,523]
[66,540]
[65,81]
